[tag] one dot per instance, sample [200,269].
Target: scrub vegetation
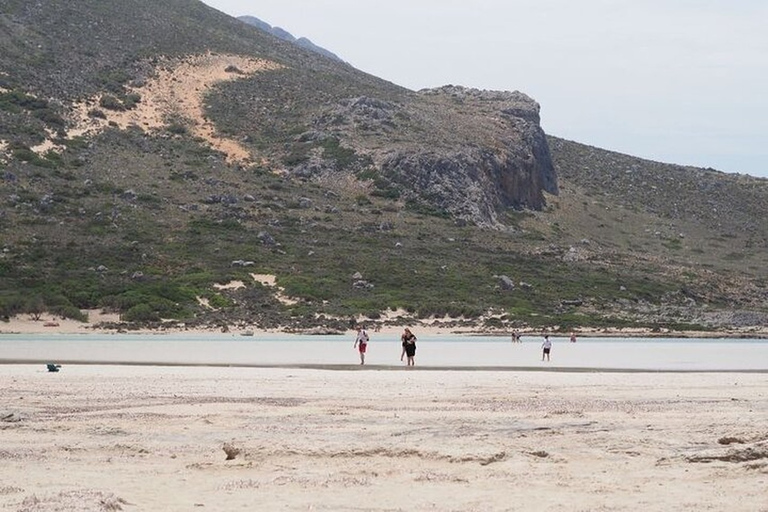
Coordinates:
[154,223]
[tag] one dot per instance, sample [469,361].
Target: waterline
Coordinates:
[433,352]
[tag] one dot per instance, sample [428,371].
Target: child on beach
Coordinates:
[546,347]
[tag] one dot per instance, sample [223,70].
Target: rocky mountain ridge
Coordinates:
[287,36]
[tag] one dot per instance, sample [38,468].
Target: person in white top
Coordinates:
[361,343]
[546,347]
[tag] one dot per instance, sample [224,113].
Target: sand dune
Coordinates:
[177,91]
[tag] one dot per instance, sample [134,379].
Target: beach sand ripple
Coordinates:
[106,438]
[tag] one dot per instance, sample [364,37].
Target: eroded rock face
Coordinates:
[468,153]
[475,184]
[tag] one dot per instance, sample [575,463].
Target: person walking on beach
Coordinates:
[361,342]
[409,346]
[546,347]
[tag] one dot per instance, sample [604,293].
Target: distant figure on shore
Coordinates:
[516,337]
[361,342]
[53,367]
[546,347]
[573,337]
[409,346]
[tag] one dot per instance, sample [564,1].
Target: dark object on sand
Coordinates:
[53,367]
[231,451]
[10,418]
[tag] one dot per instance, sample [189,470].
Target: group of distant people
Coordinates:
[407,339]
[408,343]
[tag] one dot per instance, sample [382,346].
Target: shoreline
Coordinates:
[103,323]
[354,367]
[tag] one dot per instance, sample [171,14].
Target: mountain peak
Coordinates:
[287,36]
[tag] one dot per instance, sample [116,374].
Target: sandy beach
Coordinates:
[106,438]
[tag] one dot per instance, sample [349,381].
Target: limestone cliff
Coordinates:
[468,153]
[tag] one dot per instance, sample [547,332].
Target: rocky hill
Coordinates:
[177,165]
[699,226]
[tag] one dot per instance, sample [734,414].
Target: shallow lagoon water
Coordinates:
[443,351]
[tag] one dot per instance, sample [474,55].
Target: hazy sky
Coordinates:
[680,81]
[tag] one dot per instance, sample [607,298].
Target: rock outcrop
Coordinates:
[461,152]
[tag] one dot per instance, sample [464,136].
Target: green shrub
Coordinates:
[425,208]
[113,80]
[15,100]
[110,102]
[29,156]
[141,313]
[297,156]
[11,306]
[218,301]
[332,150]
[177,128]
[69,311]
[131,100]
[493,323]
[385,189]
[50,117]
[96,113]
[369,173]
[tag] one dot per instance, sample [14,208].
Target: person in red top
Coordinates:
[361,343]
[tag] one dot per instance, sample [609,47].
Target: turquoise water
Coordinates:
[671,354]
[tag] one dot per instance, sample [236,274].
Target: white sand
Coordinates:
[152,438]
[47,323]
[51,324]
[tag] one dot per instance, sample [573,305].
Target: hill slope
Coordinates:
[162,160]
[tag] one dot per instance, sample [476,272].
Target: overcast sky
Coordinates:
[679,81]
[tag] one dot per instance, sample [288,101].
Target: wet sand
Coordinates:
[157,438]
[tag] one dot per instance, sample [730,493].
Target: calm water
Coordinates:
[433,351]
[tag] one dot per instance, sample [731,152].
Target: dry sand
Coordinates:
[107,438]
[50,324]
